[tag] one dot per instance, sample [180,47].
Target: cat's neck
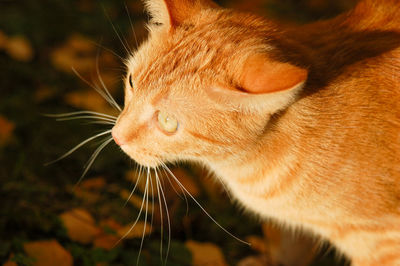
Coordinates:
[274,155]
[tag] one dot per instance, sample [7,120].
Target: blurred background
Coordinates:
[48,217]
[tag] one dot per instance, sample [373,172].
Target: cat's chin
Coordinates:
[142,158]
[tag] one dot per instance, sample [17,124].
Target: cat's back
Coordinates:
[355,94]
[375,15]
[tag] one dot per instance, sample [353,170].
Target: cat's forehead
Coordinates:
[167,58]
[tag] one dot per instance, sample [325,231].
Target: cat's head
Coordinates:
[204,84]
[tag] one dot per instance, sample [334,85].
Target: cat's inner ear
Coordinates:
[261,74]
[261,84]
[173,13]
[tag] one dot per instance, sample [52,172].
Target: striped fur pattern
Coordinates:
[321,153]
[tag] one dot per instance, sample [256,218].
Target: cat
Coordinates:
[301,124]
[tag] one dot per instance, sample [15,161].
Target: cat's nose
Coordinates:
[117,138]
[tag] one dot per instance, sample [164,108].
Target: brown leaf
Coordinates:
[110,223]
[133,176]
[43,94]
[106,241]
[80,226]
[3,40]
[136,201]
[95,183]
[48,253]
[206,254]
[257,243]
[64,58]
[86,195]
[256,261]
[88,99]
[85,5]
[129,231]
[213,189]
[6,130]
[186,180]
[19,48]
[78,53]
[80,43]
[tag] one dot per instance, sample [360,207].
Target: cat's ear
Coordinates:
[261,75]
[172,13]
[262,83]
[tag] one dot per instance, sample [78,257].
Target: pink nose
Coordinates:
[116,138]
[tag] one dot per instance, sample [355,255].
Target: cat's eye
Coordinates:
[167,122]
[130,81]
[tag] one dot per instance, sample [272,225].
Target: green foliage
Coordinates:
[23,260]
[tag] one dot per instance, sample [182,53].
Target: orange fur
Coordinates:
[324,156]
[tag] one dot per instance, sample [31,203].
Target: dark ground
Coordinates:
[39,43]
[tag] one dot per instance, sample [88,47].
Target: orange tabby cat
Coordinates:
[302,125]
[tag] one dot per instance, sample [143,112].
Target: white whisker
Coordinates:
[135,222]
[168,218]
[161,214]
[134,188]
[109,50]
[86,117]
[98,90]
[130,21]
[201,207]
[177,193]
[152,201]
[125,45]
[101,123]
[146,195]
[82,113]
[79,145]
[112,101]
[93,158]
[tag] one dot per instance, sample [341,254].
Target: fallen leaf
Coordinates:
[257,243]
[206,254]
[43,94]
[186,181]
[85,5]
[10,263]
[140,181]
[95,183]
[134,230]
[48,253]
[81,43]
[78,53]
[19,48]
[106,241]
[6,130]
[110,223]
[66,59]
[213,189]
[256,261]
[88,99]
[80,226]
[137,201]
[3,40]
[86,195]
